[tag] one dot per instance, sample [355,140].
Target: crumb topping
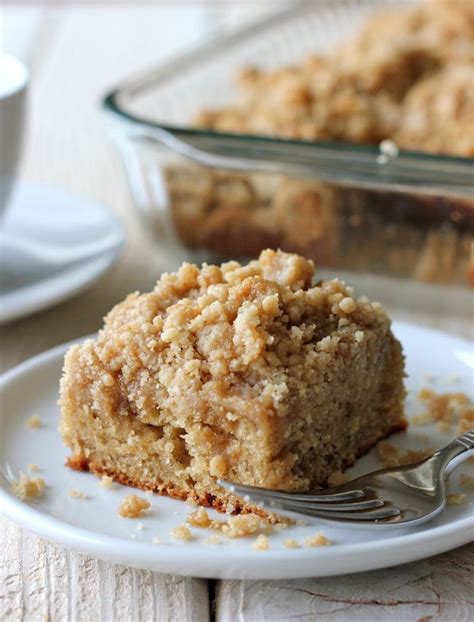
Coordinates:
[181,532]
[446,409]
[466,481]
[199,518]
[133,506]
[317,539]
[291,544]
[392,456]
[261,543]
[241,525]
[25,487]
[456,498]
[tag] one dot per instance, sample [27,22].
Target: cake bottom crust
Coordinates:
[220,502]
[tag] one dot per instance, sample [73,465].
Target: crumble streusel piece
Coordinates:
[133,506]
[181,532]
[466,481]
[106,481]
[291,544]
[317,539]
[456,498]
[25,487]
[261,543]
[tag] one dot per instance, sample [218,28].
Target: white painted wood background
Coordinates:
[75,53]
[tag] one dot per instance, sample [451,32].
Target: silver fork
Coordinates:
[405,495]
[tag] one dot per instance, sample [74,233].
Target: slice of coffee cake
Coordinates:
[245,372]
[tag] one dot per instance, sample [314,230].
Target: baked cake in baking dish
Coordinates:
[249,373]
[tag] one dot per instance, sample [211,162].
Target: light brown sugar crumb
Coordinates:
[261,543]
[388,454]
[317,539]
[77,494]
[241,525]
[466,481]
[181,532]
[133,506]
[291,544]
[25,487]
[214,539]
[392,456]
[446,409]
[338,478]
[34,422]
[456,498]
[139,526]
[33,468]
[412,456]
[106,481]
[199,518]
[156,540]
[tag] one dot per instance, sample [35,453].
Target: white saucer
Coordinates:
[92,525]
[53,245]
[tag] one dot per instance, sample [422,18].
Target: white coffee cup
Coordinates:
[13,88]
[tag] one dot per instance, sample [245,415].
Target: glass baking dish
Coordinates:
[397,224]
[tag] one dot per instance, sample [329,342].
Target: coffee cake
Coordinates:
[250,373]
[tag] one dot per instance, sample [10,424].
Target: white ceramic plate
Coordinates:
[53,245]
[92,525]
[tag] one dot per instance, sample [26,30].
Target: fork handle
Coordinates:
[446,457]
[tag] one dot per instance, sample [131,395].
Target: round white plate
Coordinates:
[53,245]
[92,525]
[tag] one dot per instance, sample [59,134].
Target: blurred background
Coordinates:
[406,83]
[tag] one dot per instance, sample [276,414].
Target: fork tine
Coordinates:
[240,489]
[354,506]
[367,515]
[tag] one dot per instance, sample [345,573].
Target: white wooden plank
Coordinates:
[439,589]
[42,581]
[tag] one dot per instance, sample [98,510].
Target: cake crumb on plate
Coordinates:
[181,532]
[199,518]
[241,525]
[291,544]
[261,543]
[25,487]
[456,498]
[106,481]
[133,506]
[466,481]
[317,539]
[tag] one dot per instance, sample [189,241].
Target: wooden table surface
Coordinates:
[74,54]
